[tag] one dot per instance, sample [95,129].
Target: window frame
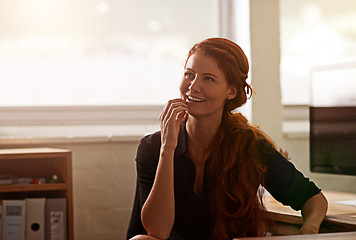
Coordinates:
[79,115]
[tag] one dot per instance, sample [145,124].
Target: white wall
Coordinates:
[265,59]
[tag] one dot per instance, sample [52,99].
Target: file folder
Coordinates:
[35,218]
[56,219]
[13,219]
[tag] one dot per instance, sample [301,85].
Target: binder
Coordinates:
[35,218]
[56,219]
[13,219]
[0,221]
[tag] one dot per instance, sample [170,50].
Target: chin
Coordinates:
[197,113]
[194,113]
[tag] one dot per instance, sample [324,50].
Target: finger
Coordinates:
[185,117]
[172,118]
[176,108]
[176,113]
[168,105]
[172,106]
[181,117]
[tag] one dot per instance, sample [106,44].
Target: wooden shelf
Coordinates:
[39,163]
[33,187]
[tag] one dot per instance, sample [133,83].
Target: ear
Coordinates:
[232,93]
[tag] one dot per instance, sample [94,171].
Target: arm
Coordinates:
[290,187]
[158,211]
[314,212]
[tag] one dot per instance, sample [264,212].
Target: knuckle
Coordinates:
[171,101]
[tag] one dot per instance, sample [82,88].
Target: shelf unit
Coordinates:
[39,163]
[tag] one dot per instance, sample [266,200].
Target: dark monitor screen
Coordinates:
[333,140]
[332,119]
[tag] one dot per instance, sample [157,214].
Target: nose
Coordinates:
[194,85]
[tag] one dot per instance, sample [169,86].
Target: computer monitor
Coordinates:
[333,119]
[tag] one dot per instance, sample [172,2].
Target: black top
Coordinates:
[285,183]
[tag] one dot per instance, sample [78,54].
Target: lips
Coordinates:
[194,99]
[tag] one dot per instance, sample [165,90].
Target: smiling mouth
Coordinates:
[192,99]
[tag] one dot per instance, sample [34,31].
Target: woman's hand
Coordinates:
[306,229]
[313,212]
[170,120]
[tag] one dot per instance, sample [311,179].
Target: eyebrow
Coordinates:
[210,74]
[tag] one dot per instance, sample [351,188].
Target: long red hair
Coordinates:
[234,171]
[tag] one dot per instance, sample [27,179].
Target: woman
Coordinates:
[198,178]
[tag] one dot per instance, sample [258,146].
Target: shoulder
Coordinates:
[271,157]
[265,147]
[149,148]
[151,139]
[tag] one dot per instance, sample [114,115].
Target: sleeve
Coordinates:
[284,182]
[146,164]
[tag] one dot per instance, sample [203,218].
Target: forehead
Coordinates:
[203,64]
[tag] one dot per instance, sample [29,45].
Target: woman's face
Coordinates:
[204,87]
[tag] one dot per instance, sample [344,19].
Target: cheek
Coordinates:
[219,96]
[183,87]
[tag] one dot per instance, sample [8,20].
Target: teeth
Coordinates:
[195,99]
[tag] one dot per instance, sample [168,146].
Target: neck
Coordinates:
[201,132]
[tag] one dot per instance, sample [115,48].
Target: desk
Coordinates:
[339,217]
[322,236]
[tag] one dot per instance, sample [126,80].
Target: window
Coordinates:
[313,33]
[101,68]
[93,52]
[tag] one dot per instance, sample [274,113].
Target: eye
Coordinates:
[209,79]
[188,75]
